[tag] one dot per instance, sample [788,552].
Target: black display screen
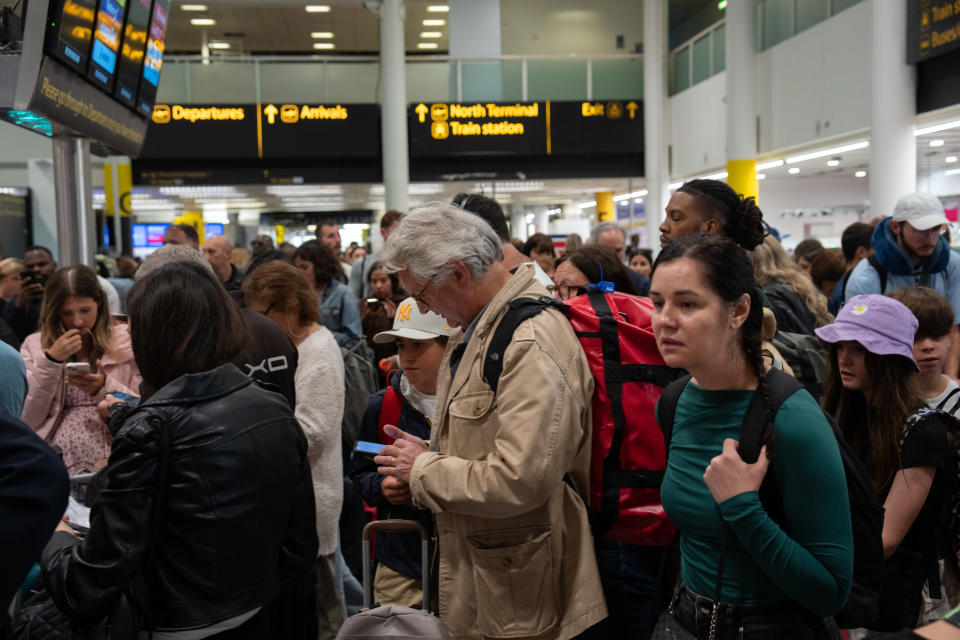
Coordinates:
[106,43]
[132,50]
[71,26]
[153,60]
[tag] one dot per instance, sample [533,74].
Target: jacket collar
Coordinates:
[518,283]
[194,388]
[895,258]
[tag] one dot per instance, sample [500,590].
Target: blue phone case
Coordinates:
[369,448]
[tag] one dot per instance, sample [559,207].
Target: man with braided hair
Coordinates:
[711,206]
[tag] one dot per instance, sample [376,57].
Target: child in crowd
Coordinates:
[408,402]
[931,346]
[873,391]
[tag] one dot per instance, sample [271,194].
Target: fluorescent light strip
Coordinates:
[193,7]
[218,45]
[431,34]
[427,45]
[321,34]
[317,8]
[438,8]
[673,186]
[323,45]
[813,155]
[203,22]
[434,23]
[587,205]
[943,126]
[952,172]
[773,164]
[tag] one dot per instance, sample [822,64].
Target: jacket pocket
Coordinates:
[515,581]
[472,431]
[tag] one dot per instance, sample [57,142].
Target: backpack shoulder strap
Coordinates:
[881,271]
[667,408]
[843,285]
[782,386]
[520,309]
[389,412]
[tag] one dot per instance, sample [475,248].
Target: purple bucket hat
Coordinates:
[882,325]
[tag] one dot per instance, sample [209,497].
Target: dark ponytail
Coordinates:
[728,272]
[740,218]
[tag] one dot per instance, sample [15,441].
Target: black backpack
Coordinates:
[866,512]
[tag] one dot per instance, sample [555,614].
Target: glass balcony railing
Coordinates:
[355,79]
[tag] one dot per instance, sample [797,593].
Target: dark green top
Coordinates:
[814,564]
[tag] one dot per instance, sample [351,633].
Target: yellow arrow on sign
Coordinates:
[271,112]
[632,109]
[422,110]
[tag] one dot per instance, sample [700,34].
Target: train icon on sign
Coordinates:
[161,114]
[440,130]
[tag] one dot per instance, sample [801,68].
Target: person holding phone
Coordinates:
[377,314]
[22,313]
[78,356]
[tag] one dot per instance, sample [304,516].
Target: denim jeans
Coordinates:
[630,574]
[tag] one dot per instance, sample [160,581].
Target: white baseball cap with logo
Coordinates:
[410,323]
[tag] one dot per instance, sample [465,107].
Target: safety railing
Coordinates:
[355,79]
[704,55]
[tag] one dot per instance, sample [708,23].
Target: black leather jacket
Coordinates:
[238,524]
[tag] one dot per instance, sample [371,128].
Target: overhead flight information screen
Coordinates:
[132,49]
[156,42]
[106,43]
[71,31]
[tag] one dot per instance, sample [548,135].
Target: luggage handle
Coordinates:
[396,526]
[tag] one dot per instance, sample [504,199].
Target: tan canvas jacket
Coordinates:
[516,552]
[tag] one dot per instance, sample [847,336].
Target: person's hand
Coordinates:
[62,526]
[29,293]
[89,383]
[728,475]
[103,407]
[397,459]
[395,491]
[66,345]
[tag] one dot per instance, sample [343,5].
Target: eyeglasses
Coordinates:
[419,296]
[565,292]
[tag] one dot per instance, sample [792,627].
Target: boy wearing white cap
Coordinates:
[408,402]
[910,249]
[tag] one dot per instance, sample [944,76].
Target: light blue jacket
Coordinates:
[340,313]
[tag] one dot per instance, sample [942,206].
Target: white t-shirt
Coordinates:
[948,401]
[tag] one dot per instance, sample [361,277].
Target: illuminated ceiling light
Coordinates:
[587,205]
[793,170]
[317,8]
[218,45]
[194,7]
[952,172]
[434,23]
[438,8]
[431,34]
[761,176]
[833,162]
[773,164]
[950,159]
[834,151]
[720,175]
[322,34]
[427,45]
[943,126]
[323,45]
[860,174]
[936,143]
[203,22]
[673,186]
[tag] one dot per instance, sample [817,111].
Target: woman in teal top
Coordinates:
[707,319]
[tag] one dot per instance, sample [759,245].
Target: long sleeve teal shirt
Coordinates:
[813,565]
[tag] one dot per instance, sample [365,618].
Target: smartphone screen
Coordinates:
[369,448]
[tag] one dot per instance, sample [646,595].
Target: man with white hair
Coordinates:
[516,552]
[909,248]
[613,237]
[218,251]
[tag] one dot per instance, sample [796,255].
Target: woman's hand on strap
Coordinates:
[728,475]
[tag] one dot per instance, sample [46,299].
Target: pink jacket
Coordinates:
[45,398]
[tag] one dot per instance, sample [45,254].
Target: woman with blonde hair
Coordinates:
[78,357]
[10,269]
[797,304]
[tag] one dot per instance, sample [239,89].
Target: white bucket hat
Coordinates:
[410,323]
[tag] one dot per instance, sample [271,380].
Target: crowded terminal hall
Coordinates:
[479,320]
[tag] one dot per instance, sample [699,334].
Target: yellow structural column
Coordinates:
[605,210]
[742,178]
[281,233]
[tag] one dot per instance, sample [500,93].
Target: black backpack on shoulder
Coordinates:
[866,512]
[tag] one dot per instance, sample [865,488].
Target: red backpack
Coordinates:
[628,459]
